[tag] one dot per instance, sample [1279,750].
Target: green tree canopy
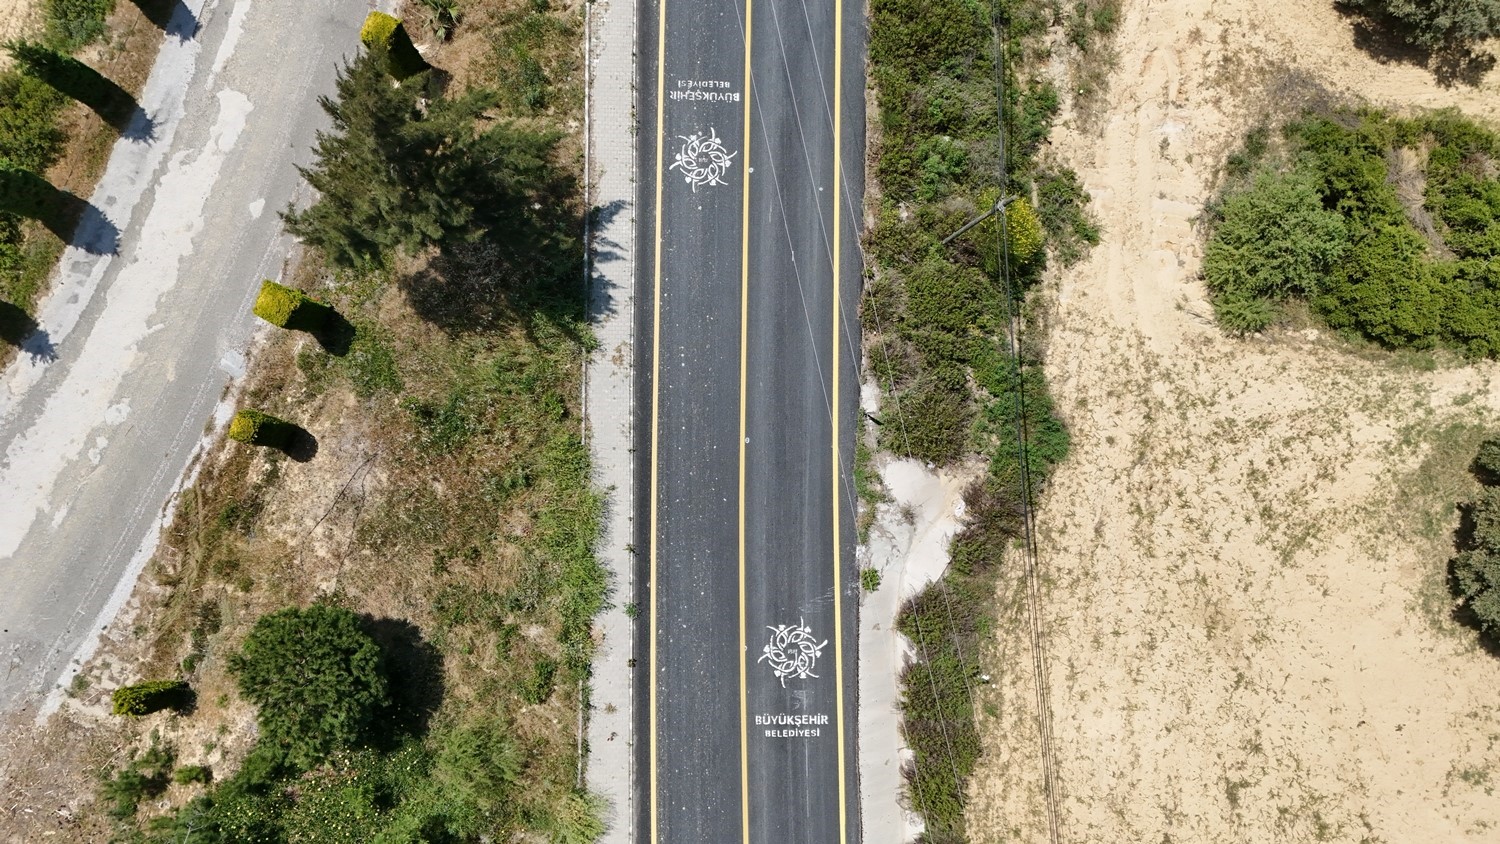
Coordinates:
[398,172]
[317,678]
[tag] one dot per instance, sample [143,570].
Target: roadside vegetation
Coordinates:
[401,600]
[1385,227]
[66,94]
[956,384]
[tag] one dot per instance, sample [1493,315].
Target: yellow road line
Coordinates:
[838,582]
[661,95]
[744,375]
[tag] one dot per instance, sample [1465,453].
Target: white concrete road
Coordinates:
[101,414]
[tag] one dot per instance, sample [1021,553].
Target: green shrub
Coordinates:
[1061,202]
[577,819]
[1476,570]
[288,307]
[29,135]
[74,23]
[1487,462]
[317,679]
[1009,418]
[385,34]
[143,776]
[1437,24]
[479,764]
[188,774]
[1024,232]
[150,696]
[537,688]
[1274,241]
[942,161]
[869,579]
[933,424]
[254,427]
[1240,313]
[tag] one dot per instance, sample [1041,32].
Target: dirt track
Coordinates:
[1248,636]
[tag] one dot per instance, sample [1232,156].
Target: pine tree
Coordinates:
[397,173]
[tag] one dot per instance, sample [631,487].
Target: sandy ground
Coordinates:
[16,16]
[1248,637]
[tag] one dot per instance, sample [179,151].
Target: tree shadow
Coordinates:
[99,93]
[482,285]
[414,672]
[73,219]
[603,253]
[18,329]
[1383,39]
[172,17]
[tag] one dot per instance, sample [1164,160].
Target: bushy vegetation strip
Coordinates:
[449,713]
[942,322]
[1386,226]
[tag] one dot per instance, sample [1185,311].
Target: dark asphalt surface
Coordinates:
[766,754]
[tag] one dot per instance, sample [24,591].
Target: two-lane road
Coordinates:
[752,130]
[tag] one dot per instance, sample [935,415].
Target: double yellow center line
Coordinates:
[661,55]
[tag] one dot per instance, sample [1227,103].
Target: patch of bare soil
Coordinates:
[16,17]
[1248,629]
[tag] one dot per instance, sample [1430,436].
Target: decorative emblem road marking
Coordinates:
[703,159]
[792,651]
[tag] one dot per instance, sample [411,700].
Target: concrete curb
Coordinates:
[609,163]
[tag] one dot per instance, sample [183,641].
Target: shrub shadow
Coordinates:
[300,445]
[184,701]
[414,671]
[335,334]
[1464,539]
[1382,39]
[172,17]
[18,329]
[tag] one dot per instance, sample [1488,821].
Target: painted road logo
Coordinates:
[703,159]
[792,652]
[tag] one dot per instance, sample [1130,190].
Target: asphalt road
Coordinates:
[99,423]
[750,273]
